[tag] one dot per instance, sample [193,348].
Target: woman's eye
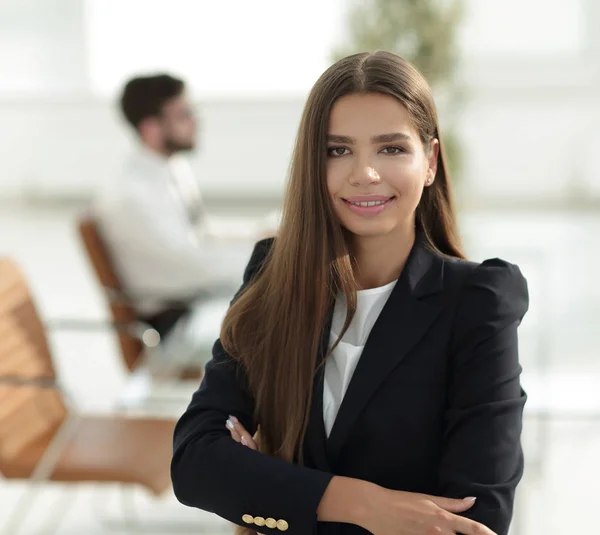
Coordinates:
[393,150]
[337,151]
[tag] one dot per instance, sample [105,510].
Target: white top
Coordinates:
[341,364]
[153,221]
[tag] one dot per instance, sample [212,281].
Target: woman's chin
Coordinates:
[369,231]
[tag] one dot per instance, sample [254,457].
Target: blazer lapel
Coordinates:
[403,321]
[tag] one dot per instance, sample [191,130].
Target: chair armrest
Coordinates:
[136,329]
[40,382]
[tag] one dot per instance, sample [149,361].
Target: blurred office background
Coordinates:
[525,112]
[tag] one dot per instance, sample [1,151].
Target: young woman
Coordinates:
[367,373]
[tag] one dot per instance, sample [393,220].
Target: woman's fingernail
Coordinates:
[230,425]
[244,441]
[233,419]
[470,499]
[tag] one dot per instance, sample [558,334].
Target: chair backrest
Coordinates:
[121,310]
[27,412]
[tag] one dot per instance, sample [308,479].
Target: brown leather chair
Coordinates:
[123,313]
[136,337]
[42,436]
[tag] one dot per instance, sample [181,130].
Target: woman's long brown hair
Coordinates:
[274,327]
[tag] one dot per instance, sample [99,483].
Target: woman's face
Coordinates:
[377,165]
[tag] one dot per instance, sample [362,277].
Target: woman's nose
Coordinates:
[365,174]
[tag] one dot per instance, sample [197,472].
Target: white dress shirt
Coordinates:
[341,364]
[152,220]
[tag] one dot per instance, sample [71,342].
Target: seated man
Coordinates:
[179,273]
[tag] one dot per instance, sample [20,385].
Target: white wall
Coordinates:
[42,46]
[531,83]
[531,141]
[530,130]
[58,147]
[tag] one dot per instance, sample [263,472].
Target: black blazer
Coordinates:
[434,406]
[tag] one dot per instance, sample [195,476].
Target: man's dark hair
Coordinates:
[145,96]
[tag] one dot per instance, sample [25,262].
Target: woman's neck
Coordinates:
[381,259]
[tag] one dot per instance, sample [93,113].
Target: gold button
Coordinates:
[271,523]
[249,519]
[282,525]
[259,520]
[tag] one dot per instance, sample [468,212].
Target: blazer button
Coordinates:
[271,523]
[259,520]
[282,525]
[249,519]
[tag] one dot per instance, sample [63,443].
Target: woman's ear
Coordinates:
[432,161]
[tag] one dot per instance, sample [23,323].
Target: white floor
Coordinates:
[93,510]
[559,254]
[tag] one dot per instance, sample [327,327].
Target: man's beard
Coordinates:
[173,147]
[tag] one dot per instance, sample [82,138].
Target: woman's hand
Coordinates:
[239,434]
[391,512]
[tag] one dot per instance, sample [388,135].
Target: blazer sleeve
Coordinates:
[211,471]
[482,454]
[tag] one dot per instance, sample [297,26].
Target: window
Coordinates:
[41,48]
[510,28]
[220,48]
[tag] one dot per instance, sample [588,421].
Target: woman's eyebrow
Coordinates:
[381,138]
